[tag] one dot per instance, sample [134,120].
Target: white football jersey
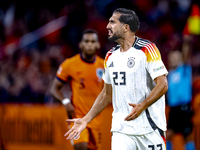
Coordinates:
[132,75]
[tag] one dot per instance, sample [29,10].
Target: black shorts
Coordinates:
[180,119]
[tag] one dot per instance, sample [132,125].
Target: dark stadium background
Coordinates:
[33,44]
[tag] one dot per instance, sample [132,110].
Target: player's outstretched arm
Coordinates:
[75,131]
[100,103]
[159,90]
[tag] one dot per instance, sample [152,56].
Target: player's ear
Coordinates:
[126,27]
[80,45]
[98,45]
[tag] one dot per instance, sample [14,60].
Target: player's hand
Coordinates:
[136,111]
[75,131]
[70,110]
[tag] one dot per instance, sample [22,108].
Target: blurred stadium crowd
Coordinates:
[27,72]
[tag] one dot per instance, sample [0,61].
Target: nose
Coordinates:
[108,26]
[89,44]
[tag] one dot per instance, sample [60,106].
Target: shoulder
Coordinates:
[99,58]
[184,66]
[70,61]
[141,44]
[148,48]
[74,58]
[110,52]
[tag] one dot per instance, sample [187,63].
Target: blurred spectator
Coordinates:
[179,95]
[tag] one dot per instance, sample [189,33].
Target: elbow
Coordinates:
[162,84]
[165,87]
[52,91]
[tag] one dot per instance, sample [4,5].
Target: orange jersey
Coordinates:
[86,84]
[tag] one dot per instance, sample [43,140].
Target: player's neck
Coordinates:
[88,58]
[127,43]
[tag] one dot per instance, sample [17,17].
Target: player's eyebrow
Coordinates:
[111,21]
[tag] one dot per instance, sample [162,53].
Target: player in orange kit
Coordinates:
[84,73]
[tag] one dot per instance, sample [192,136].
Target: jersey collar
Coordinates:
[86,60]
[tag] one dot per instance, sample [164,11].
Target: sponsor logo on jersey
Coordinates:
[111,65]
[131,62]
[156,69]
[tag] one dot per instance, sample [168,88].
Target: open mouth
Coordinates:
[90,50]
[109,32]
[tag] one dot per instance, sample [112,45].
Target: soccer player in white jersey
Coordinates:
[135,82]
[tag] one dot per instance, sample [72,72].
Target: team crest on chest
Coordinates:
[131,62]
[99,73]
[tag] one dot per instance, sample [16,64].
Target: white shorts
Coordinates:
[150,141]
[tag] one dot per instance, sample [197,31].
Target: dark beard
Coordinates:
[89,56]
[113,38]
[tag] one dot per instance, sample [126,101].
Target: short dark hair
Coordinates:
[89,30]
[128,17]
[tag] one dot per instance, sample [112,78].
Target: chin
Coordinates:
[111,39]
[90,54]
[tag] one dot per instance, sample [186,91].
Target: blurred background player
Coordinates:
[179,95]
[84,73]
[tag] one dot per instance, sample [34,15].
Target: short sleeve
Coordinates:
[106,76]
[62,72]
[154,63]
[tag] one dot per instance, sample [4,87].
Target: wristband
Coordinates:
[66,101]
